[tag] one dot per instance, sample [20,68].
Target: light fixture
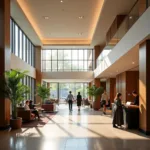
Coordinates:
[79,33]
[61,1]
[46,17]
[130,17]
[133,62]
[81,17]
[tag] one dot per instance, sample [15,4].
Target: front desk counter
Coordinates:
[131,116]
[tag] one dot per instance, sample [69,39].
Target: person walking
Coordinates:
[79,99]
[104,101]
[70,100]
[118,111]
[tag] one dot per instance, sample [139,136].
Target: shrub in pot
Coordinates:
[15,91]
[94,92]
[43,92]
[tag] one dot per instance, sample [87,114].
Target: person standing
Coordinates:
[104,101]
[70,100]
[118,111]
[136,100]
[79,99]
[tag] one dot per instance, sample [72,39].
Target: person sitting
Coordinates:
[136,100]
[118,111]
[34,111]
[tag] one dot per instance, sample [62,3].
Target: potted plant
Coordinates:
[43,92]
[94,92]
[15,91]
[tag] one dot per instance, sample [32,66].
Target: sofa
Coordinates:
[26,115]
[48,107]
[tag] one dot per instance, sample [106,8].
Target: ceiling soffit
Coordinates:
[63,26]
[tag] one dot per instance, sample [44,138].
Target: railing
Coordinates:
[128,22]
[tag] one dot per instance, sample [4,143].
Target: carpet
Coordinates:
[44,119]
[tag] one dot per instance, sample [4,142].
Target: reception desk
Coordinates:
[130,115]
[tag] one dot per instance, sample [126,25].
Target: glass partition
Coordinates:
[136,11]
[102,56]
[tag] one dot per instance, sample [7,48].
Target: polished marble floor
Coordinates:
[87,130]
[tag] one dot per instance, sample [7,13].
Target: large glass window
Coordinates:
[67,60]
[21,45]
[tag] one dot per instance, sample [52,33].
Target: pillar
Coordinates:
[48,86]
[97,102]
[38,69]
[90,84]
[144,86]
[111,88]
[5,55]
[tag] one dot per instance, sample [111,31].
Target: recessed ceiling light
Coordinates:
[46,17]
[81,17]
[79,33]
[133,62]
[61,1]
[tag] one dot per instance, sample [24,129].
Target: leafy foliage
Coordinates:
[43,92]
[13,89]
[94,91]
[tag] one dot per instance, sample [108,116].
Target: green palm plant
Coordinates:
[95,91]
[43,92]
[13,89]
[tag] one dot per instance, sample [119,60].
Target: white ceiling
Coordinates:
[63,25]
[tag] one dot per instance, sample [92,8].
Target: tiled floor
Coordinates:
[87,130]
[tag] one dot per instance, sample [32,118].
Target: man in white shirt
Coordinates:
[70,100]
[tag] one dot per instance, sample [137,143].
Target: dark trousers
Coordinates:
[70,104]
[36,113]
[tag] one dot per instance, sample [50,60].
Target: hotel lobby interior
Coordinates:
[51,47]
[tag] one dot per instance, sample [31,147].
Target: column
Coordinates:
[111,88]
[5,55]
[97,102]
[90,84]
[144,86]
[48,86]
[38,69]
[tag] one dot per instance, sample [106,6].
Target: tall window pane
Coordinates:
[74,54]
[54,54]
[60,54]
[16,40]
[67,54]
[54,66]
[20,49]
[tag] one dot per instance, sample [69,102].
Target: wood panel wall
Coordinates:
[144,86]
[111,88]
[127,82]
[5,54]
[114,27]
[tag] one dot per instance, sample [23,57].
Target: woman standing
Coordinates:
[79,99]
[104,101]
[118,111]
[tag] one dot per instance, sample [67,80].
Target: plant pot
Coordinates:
[96,105]
[16,123]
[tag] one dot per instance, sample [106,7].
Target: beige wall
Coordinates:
[17,63]
[68,75]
